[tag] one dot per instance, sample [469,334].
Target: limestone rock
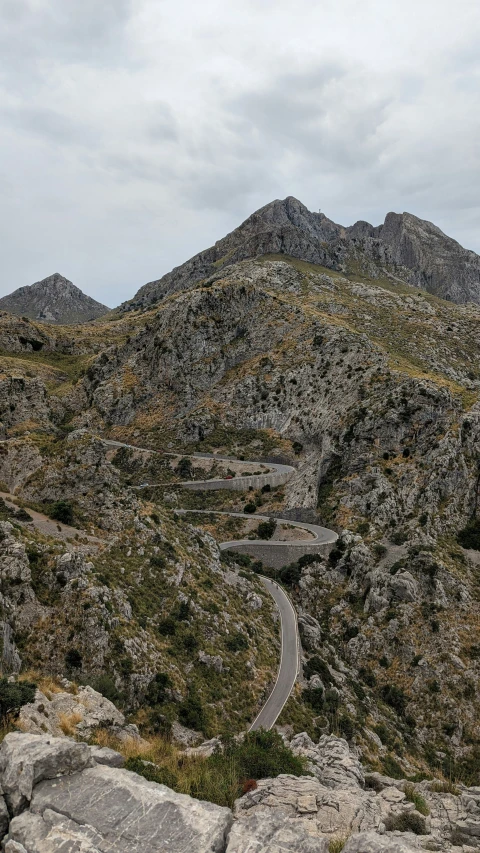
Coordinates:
[372,842]
[330,760]
[27,759]
[265,831]
[121,812]
[87,710]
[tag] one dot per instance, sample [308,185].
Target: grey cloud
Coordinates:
[137,132]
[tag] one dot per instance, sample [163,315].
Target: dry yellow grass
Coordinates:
[68,722]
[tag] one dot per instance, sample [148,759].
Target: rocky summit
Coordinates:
[240,552]
[53,300]
[404,248]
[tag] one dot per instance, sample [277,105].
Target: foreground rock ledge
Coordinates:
[60,796]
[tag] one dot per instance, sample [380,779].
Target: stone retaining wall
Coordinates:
[278,554]
[240,484]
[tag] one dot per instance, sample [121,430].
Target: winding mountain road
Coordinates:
[289,659]
[322,536]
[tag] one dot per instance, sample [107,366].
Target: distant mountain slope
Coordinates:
[53,300]
[404,246]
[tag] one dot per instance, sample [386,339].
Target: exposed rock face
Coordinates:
[79,804]
[331,761]
[27,759]
[414,250]
[280,227]
[62,795]
[87,709]
[53,300]
[425,256]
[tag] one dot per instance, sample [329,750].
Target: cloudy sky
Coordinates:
[134,133]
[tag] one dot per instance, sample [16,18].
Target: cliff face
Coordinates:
[53,300]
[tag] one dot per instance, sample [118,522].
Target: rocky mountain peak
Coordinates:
[54,299]
[405,246]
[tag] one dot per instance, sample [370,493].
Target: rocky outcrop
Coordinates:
[60,795]
[85,710]
[423,255]
[61,798]
[53,300]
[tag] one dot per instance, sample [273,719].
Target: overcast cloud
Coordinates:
[134,133]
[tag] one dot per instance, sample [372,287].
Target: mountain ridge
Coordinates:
[404,246]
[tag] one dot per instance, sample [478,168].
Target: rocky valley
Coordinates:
[315,375]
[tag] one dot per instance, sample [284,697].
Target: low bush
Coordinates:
[266,529]
[236,642]
[157,689]
[469,537]
[13,695]
[224,776]
[61,511]
[191,712]
[395,697]
[406,822]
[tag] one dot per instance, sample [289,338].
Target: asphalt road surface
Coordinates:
[287,673]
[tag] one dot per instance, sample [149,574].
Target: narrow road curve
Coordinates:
[276,475]
[289,659]
[321,535]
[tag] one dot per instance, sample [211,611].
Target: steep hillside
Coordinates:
[369,387]
[404,247]
[53,300]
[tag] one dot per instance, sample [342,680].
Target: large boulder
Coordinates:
[68,713]
[265,831]
[26,759]
[104,808]
[331,761]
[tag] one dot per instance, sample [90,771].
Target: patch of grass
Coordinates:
[414,796]
[221,777]
[337,843]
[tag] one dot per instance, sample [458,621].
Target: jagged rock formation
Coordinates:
[406,247]
[59,795]
[53,300]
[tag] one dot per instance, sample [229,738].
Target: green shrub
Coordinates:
[250,507]
[236,642]
[469,537]
[414,796]
[395,697]
[161,775]
[392,768]
[184,469]
[314,697]
[191,712]
[290,575]
[406,822]
[157,689]
[13,695]
[316,666]
[266,529]
[61,511]
[105,685]
[73,659]
[167,627]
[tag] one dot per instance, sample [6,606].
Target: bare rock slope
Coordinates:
[59,795]
[53,300]
[406,247]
